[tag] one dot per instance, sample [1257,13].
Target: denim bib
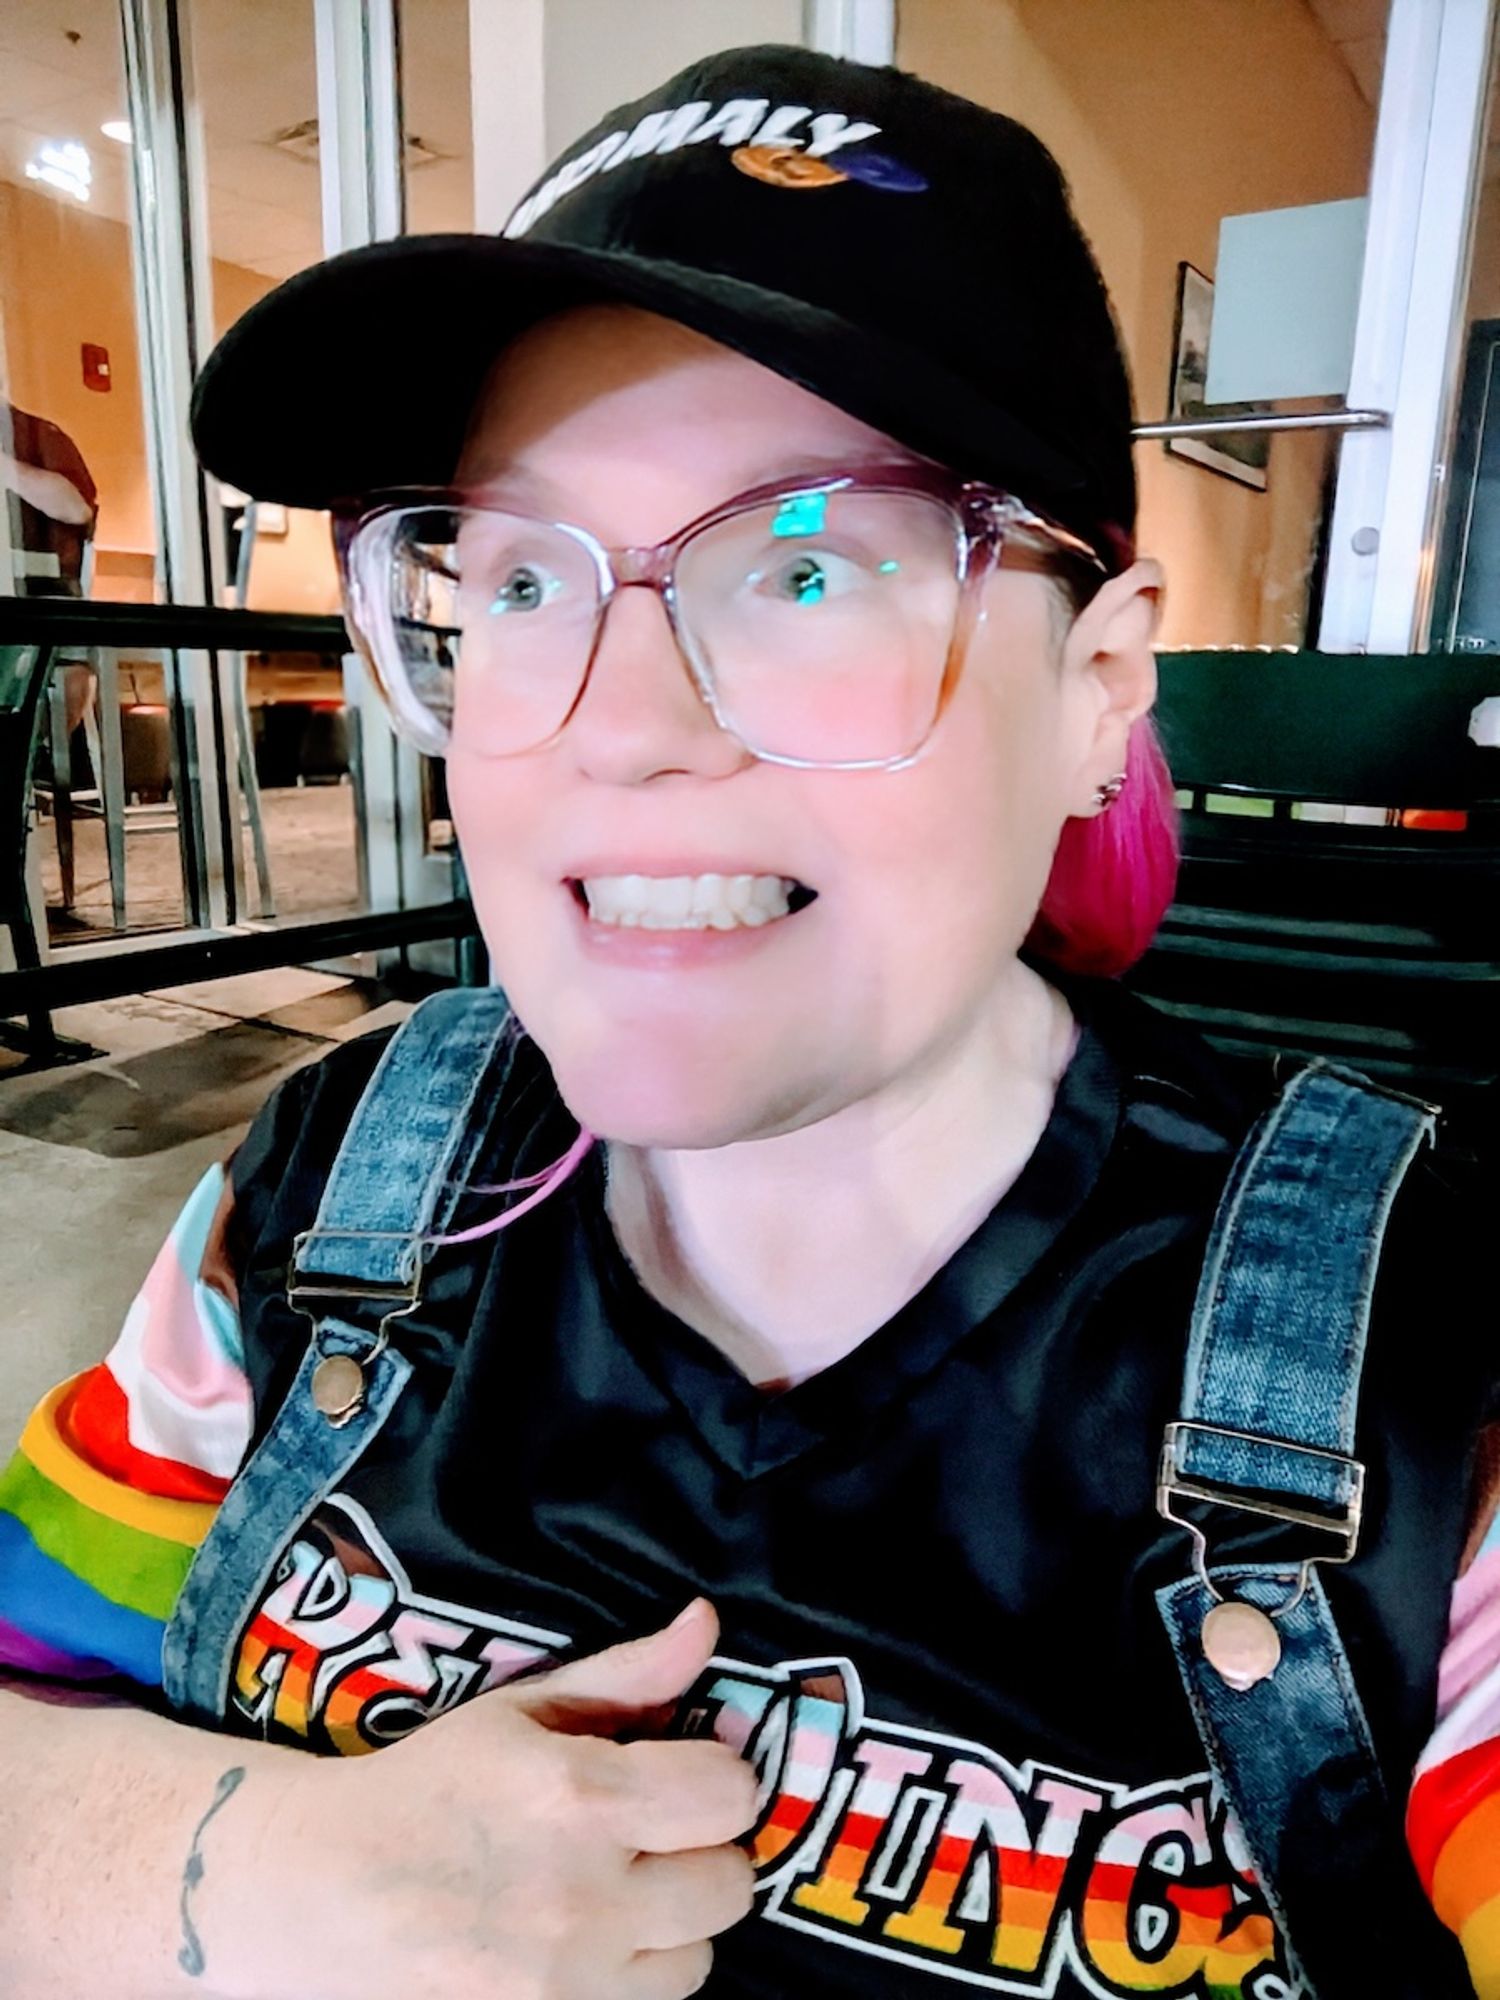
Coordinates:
[1267,1427]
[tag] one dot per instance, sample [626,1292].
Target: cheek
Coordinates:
[964,839]
[480,813]
[495,808]
[469,791]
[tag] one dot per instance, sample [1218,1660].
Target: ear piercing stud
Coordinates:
[1109,791]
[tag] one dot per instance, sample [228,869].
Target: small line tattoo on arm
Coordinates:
[191,1958]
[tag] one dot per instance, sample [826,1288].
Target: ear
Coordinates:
[1108,656]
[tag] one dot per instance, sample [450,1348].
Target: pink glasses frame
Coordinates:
[995,531]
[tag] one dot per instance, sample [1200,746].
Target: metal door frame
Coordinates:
[1424,196]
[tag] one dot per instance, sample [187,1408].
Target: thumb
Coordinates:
[625,1686]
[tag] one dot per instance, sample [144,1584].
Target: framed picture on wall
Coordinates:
[1243,455]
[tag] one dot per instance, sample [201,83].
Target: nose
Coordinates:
[640,715]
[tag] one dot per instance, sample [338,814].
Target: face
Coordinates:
[924,881]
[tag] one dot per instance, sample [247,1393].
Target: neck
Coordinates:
[788,1251]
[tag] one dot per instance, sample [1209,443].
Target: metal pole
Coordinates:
[174,319]
[1313,420]
[359,122]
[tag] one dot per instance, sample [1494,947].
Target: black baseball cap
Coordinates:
[900,251]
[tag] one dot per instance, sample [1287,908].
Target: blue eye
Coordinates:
[527,588]
[811,576]
[805,581]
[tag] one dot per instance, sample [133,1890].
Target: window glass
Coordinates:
[435,90]
[77,512]
[1161,136]
[1466,580]
[257,89]
[257,86]
[76,515]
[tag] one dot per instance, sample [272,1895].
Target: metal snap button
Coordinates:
[1240,1643]
[338,1387]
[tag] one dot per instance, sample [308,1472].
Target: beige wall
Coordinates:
[1167,115]
[600,53]
[65,278]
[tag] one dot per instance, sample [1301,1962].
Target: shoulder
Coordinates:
[278,1173]
[294,1139]
[40,442]
[1175,1085]
[1172,1082]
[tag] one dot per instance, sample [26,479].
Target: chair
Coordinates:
[244,734]
[1377,945]
[24,673]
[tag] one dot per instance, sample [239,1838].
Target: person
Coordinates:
[52,500]
[738,1530]
[53,507]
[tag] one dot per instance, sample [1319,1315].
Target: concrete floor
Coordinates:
[96,1159]
[310,841]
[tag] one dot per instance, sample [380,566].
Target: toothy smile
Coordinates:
[690,902]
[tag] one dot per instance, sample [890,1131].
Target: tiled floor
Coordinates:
[95,1160]
[309,832]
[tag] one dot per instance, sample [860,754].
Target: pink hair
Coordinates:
[546,1183]
[1113,876]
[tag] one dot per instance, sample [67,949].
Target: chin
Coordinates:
[668,1096]
[637,1102]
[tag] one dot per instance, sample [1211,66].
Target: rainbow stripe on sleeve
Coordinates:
[119,1474]
[1453,1820]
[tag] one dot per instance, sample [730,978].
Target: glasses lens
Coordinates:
[479,623]
[823,621]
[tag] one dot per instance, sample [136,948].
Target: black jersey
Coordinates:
[934,1562]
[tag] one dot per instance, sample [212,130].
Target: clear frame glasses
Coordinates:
[822,622]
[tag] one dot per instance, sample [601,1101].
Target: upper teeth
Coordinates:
[687,902]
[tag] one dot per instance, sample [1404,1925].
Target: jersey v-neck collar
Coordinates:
[751,1431]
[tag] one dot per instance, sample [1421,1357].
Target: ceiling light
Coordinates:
[117,128]
[64,165]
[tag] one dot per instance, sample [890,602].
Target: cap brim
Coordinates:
[359,373]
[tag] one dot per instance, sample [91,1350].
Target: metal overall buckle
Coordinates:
[1239,1639]
[338,1380]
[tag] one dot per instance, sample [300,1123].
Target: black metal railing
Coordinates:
[80,621]
[82,973]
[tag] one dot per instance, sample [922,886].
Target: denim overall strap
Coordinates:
[411,1142]
[1270,1398]
[409,1147]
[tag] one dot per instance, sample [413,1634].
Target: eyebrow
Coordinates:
[522,481]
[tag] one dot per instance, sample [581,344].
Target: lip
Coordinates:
[666,867]
[631,947]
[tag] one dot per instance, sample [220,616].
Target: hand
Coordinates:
[513,1850]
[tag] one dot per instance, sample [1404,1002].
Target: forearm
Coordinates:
[51,493]
[128,1854]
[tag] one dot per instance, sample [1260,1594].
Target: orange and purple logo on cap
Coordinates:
[790,166]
